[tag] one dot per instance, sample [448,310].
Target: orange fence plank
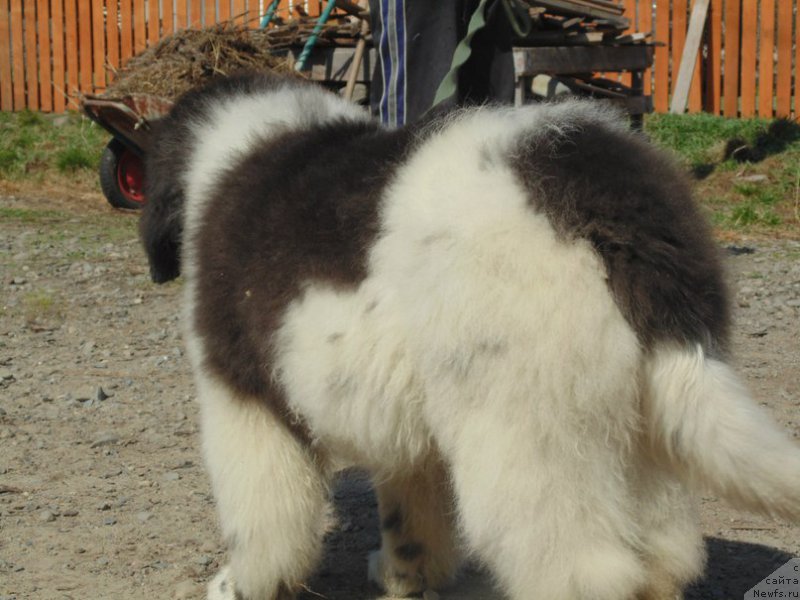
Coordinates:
[713,72]
[153,24]
[210,13]
[167,18]
[661,73]
[695,103]
[31,62]
[749,54]
[139,26]
[6,88]
[59,67]
[196,14]
[18,55]
[730,88]
[238,11]
[679,24]
[125,31]
[98,45]
[797,65]
[71,47]
[85,50]
[224,10]
[646,25]
[783,91]
[181,14]
[112,35]
[45,72]
[766,59]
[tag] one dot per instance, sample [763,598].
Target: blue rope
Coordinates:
[269,14]
[312,39]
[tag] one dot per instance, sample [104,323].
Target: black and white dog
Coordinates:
[514,318]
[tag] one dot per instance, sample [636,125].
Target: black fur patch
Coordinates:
[301,207]
[393,521]
[618,192]
[409,551]
[160,225]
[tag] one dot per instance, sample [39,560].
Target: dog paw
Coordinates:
[222,587]
[394,581]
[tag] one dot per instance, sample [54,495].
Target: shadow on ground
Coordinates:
[733,567]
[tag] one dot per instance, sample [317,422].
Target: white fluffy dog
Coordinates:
[514,318]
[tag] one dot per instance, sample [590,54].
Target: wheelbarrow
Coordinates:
[128,119]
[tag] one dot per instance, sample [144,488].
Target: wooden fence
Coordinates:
[51,50]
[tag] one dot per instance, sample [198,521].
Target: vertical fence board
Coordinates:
[98,45]
[44,75]
[695,103]
[797,63]
[112,35]
[730,88]
[766,59]
[139,26]
[239,12]
[71,46]
[224,11]
[57,15]
[714,59]
[31,61]
[125,31]
[678,41]
[167,18]
[645,9]
[6,89]
[210,13]
[661,99]
[18,54]
[153,25]
[783,91]
[749,53]
[85,50]
[181,14]
[196,14]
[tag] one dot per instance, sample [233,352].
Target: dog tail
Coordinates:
[714,435]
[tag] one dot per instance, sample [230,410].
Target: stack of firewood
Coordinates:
[580,22]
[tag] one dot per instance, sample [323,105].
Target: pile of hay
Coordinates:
[192,56]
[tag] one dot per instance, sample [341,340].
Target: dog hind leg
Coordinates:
[418,540]
[271,497]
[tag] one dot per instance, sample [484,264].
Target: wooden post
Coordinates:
[689,58]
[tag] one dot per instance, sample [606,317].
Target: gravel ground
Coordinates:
[102,488]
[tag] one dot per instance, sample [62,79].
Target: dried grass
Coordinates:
[190,57]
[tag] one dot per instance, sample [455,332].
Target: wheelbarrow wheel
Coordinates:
[122,176]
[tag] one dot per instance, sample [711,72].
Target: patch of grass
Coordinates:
[74,158]
[43,310]
[722,154]
[699,139]
[36,146]
[29,215]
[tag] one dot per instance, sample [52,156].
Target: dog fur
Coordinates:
[514,318]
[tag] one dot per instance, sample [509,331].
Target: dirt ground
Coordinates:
[103,494]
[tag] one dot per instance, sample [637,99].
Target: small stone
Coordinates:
[104,506]
[70,512]
[110,521]
[204,560]
[101,394]
[105,439]
[171,476]
[144,516]
[753,178]
[46,516]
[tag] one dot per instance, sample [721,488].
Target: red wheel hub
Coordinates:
[130,177]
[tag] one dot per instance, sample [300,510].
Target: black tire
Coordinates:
[114,157]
